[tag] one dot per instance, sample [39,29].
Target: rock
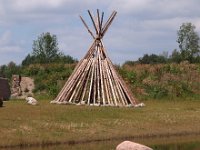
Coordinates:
[21,87]
[31,101]
[1,103]
[128,145]
[4,89]
[53,102]
[140,105]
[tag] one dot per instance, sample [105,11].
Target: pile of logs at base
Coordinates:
[95,80]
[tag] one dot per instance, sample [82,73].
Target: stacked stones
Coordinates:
[16,88]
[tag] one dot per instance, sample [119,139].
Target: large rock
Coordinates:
[128,145]
[21,87]
[4,89]
[1,102]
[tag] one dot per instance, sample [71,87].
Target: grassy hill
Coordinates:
[158,81]
[163,81]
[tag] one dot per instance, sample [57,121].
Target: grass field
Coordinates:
[23,124]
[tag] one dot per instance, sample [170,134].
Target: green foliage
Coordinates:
[9,69]
[130,62]
[66,59]
[156,91]
[152,59]
[28,60]
[188,40]
[45,50]
[163,80]
[46,76]
[47,65]
[176,56]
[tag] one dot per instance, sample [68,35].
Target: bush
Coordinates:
[46,76]
[161,81]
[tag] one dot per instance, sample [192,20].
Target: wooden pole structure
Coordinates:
[95,80]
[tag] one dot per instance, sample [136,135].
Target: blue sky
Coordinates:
[140,27]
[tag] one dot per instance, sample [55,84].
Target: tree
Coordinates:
[28,60]
[9,69]
[188,40]
[45,48]
[176,56]
[67,59]
[152,59]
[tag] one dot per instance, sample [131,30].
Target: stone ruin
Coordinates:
[4,89]
[21,87]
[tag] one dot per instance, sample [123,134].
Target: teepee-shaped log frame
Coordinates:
[95,80]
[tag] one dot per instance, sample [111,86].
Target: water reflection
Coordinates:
[189,143]
[180,146]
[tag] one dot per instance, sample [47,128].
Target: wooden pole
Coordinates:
[93,22]
[108,23]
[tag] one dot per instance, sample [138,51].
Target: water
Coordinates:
[178,146]
[109,146]
[177,143]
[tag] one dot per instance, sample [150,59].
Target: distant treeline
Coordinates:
[45,51]
[175,57]
[188,41]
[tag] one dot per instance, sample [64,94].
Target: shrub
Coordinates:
[163,80]
[46,76]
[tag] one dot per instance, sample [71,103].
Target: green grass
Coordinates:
[23,124]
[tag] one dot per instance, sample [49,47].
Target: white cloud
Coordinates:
[6,44]
[129,6]
[14,49]
[5,38]
[38,6]
[141,26]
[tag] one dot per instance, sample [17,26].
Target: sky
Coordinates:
[140,27]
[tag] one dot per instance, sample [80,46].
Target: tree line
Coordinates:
[189,49]
[44,51]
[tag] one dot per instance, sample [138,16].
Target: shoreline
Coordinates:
[86,141]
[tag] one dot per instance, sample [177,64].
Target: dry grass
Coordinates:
[22,124]
[160,81]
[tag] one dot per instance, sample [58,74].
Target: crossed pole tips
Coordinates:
[97,22]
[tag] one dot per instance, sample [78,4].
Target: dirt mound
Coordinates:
[22,87]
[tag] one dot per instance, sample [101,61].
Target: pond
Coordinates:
[172,143]
[178,146]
